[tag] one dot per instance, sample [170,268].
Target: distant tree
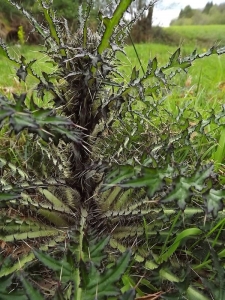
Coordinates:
[222,7]
[210,14]
[187,12]
[199,18]
[216,15]
[207,7]
[142,29]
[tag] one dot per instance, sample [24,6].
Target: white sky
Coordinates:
[166,10]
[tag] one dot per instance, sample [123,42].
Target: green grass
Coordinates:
[205,81]
[197,35]
[8,80]
[204,84]
[203,88]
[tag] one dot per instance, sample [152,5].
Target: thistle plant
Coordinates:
[90,183]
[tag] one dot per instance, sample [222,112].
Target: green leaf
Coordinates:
[57,203]
[219,293]
[128,295]
[134,74]
[214,201]
[15,225]
[47,13]
[127,176]
[21,121]
[180,237]
[96,249]
[7,269]
[111,23]
[184,186]
[175,56]
[53,264]
[29,235]
[102,284]
[4,113]
[6,281]
[4,52]
[49,17]
[152,67]
[32,293]
[14,295]
[8,196]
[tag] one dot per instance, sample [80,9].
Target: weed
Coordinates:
[102,154]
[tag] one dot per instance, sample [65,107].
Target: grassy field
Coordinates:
[8,79]
[205,81]
[203,86]
[197,35]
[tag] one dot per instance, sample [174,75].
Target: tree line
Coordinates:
[211,14]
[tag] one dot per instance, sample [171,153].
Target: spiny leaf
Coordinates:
[96,249]
[7,269]
[4,52]
[219,291]
[134,74]
[48,14]
[32,293]
[151,178]
[175,56]
[183,186]
[111,23]
[152,67]
[174,60]
[59,220]
[38,27]
[102,284]
[214,201]
[15,225]
[52,263]
[29,235]
[41,122]
[56,202]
